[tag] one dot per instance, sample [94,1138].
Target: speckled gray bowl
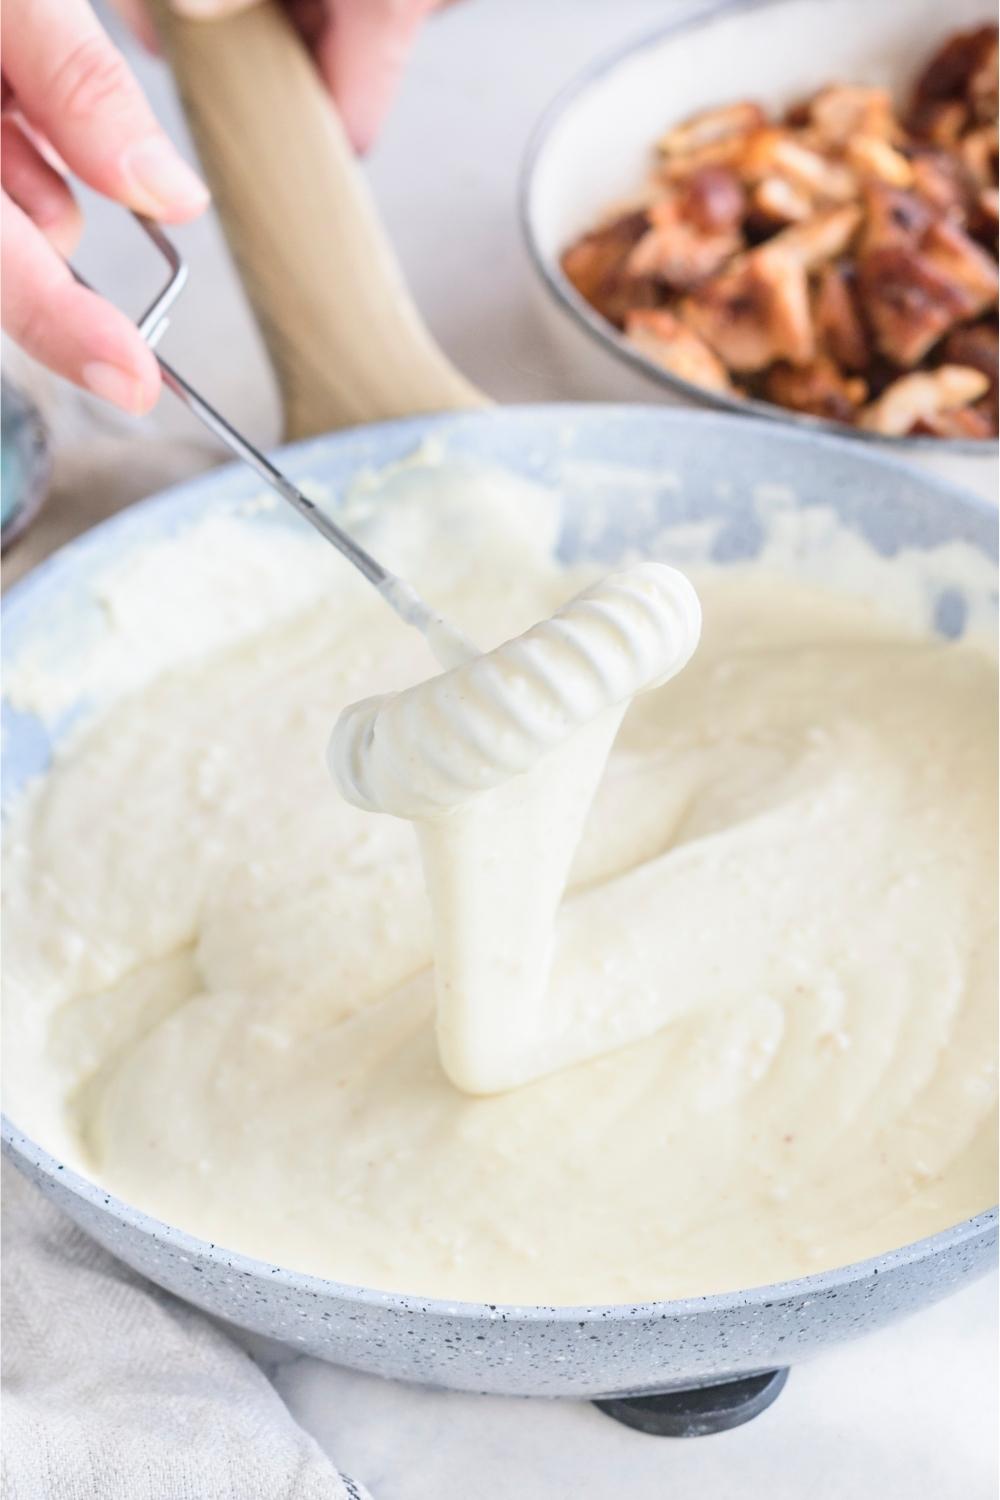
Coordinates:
[687,467]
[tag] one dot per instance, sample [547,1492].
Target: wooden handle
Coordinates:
[347,343]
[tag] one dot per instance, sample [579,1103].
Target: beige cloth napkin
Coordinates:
[113,1389]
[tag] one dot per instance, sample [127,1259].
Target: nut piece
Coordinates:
[711,127]
[967,422]
[596,267]
[756,312]
[941,123]
[841,112]
[913,294]
[971,271]
[712,199]
[773,152]
[819,389]
[777,200]
[893,217]
[724,153]
[981,89]
[679,254]
[978,153]
[922,398]
[819,239]
[908,304]
[988,209]
[961,69]
[668,342]
[838,323]
[976,347]
[872,157]
[942,183]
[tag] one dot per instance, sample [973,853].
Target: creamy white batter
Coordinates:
[220,999]
[497,762]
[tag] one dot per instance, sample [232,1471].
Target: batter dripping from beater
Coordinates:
[497,763]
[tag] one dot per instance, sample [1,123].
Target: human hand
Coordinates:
[360,47]
[68,93]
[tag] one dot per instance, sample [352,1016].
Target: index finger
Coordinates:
[73,84]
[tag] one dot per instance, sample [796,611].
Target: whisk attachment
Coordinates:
[445,640]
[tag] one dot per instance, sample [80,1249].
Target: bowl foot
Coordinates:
[701,1411]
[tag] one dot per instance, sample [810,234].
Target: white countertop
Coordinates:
[906,1413]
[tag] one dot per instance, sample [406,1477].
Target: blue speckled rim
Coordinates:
[580,312]
[17,1145]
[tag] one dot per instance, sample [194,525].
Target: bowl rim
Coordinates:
[21,1147]
[575,307]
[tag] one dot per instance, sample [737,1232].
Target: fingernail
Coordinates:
[114,384]
[162,180]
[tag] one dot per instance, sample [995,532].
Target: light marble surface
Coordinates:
[909,1412]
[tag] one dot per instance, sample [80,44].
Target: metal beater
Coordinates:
[447,642]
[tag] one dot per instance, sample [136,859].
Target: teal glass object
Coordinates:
[25,463]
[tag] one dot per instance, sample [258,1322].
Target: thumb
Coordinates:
[362,55]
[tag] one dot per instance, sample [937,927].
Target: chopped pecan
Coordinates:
[977,347]
[755,312]
[987,410]
[942,182]
[677,253]
[978,152]
[798,115]
[976,422]
[907,302]
[596,265]
[778,202]
[870,156]
[774,152]
[821,238]
[841,112]
[984,218]
[670,343]
[915,285]
[839,326]
[952,69]
[724,153]
[712,199]
[819,388]
[880,374]
[981,90]
[970,270]
[940,122]
[922,397]
[893,217]
[710,127]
